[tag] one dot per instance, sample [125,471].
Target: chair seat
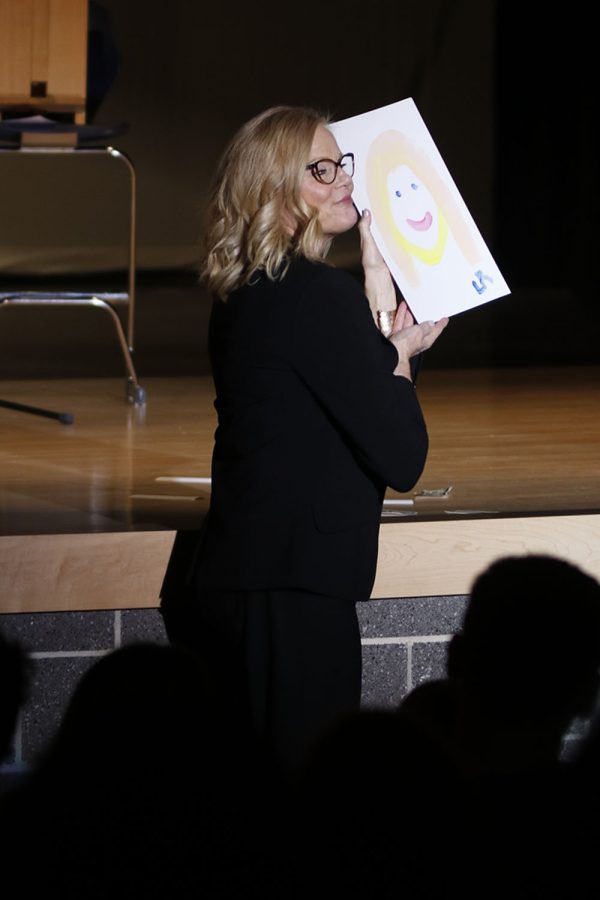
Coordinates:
[73,297]
[12,132]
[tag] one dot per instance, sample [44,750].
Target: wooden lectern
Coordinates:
[43,56]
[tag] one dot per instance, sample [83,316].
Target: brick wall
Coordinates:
[404,644]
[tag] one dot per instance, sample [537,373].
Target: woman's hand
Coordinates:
[403,318]
[410,339]
[379,286]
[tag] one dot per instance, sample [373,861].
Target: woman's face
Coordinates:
[333,202]
[413,208]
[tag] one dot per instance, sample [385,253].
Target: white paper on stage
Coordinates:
[421,224]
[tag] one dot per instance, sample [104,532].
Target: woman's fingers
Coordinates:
[364,228]
[417,338]
[400,317]
[403,317]
[364,223]
[379,286]
[431,331]
[370,251]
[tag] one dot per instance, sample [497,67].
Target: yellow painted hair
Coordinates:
[388,151]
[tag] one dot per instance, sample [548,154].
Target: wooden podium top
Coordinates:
[43,56]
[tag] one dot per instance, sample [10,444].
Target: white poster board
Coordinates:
[421,224]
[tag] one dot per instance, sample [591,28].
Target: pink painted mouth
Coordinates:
[347,199]
[423,224]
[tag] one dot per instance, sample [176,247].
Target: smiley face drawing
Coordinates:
[421,226]
[414,210]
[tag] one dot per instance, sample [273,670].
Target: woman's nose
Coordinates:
[343,177]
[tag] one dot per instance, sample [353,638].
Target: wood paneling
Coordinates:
[427,559]
[40,40]
[83,571]
[67,50]
[44,41]
[16,18]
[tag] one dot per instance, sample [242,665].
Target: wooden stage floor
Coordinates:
[518,448]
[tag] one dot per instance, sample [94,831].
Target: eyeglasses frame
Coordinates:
[312,167]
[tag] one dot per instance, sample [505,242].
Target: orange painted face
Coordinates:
[413,208]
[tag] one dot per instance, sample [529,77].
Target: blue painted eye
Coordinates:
[414,186]
[398,194]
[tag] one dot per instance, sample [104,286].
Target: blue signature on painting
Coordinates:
[480,285]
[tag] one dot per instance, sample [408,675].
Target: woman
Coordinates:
[317,415]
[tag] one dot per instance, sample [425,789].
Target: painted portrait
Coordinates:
[421,224]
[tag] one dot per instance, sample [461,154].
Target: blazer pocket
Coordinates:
[344,514]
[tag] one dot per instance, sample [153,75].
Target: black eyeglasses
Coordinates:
[325,170]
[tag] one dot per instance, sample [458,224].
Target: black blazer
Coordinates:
[312,427]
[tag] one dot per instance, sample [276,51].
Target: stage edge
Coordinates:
[124,570]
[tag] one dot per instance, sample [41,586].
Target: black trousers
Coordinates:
[289,662]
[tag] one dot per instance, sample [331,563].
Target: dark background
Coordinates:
[507,91]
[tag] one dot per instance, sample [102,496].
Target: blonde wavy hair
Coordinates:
[256,191]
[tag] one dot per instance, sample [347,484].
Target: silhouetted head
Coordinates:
[14,682]
[139,710]
[530,642]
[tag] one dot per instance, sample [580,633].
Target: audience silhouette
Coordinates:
[154,787]
[366,802]
[153,790]
[524,665]
[14,684]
